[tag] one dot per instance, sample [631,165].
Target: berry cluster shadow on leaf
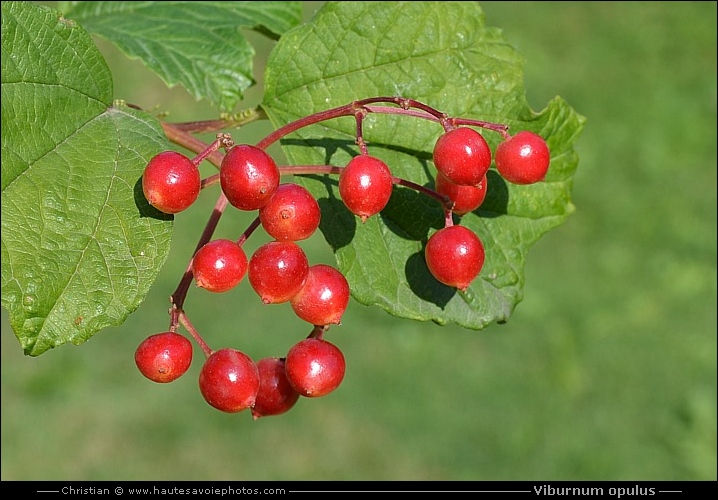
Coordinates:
[497,197]
[423,283]
[409,215]
[340,232]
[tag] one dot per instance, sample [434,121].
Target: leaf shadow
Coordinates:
[331,146]
[497,196]
[423,283]
[342,229]
[144,207]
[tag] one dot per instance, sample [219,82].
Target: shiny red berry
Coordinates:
[365,186]
[455,256]
[248,177]
[219,265]
[276,395]
[229,380]
[324,297]
[463,156]
[315,367]
[292,214]
[523,159]
[171,182]
[277,271]
[164,357]
[465,198]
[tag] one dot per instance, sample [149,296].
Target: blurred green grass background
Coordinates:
[606,371]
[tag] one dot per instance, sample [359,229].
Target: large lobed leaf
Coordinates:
[198,45]
[80,245]
[440,53]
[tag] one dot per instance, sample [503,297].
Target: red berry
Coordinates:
[291,215]
[455,256]
[248,177]
[219,265]
[277,271]
[171,182]
[164,357]
[229,380]
[523,159]
[315,367]
[276,395]
[463,156]
[365,186]
[324,296]
[466,198]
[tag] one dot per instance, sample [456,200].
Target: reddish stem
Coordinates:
[180,294]
[310,169]
[359,115]
[225,122]
[448,218]
[364,106]
[223,141]
[184,320]
[318,332]
[346,110]
[248,232]
[446,121]
[444,200]
[178,136]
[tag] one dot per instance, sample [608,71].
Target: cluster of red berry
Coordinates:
[279,271]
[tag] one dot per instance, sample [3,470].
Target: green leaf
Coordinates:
[442,54]
[198,45]
[80,244]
